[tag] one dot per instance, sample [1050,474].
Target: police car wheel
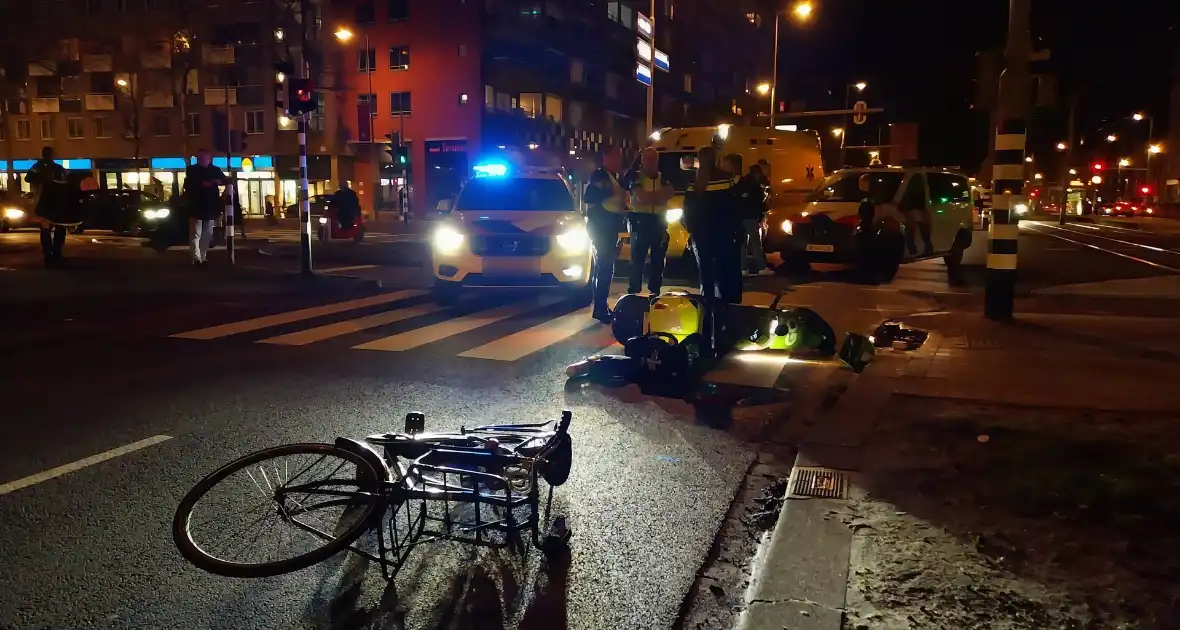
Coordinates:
[446,293]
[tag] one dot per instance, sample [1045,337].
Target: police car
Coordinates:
[511,227]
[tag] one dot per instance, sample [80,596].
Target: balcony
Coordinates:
[100,102]
[98,63]
[43,69]
[149,60]
[217,55]
[158,100]
[216,96]
[46,105]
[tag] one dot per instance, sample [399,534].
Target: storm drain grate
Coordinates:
[821,483]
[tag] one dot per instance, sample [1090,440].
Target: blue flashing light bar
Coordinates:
[494,169]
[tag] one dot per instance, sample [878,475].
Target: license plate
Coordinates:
[821,248]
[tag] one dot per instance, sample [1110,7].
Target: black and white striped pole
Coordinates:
[999,299]
[1007,189]
[304,201]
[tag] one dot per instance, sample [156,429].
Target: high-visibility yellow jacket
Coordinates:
[648,184]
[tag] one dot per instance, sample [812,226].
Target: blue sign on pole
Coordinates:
[643,74]
[661,60]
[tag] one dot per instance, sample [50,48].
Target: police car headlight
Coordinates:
[447,240]
[14,213]
[674,214]
[788,227]
[574,241]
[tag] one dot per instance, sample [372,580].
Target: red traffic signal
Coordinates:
[303,97]
[1098,166]
[1145,190]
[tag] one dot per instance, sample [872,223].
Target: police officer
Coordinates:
[649,196]
[712,221]
[54,205]
[605,214]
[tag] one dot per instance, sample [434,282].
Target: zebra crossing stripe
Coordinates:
[349,326]
[519,345]
[421,336]
[278,319]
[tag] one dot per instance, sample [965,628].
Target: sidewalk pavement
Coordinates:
[1061,364]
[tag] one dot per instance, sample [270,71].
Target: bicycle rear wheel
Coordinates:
[347,502]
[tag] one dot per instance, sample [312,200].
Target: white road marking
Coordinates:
[535,339]
[278,319]
[415,338]
[349,326]
[66,469]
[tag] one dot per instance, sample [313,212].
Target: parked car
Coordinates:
[17,213]
[131,212]
[319,207]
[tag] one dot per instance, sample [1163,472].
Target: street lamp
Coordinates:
[1155,148]
[1061,146]
[837,132]
[1111,138]
[121,83]
[763,88]
[1038,176]
[1123,163]
[343,34]
[1137,116]
[802,12]
[1028,159]
[861,86]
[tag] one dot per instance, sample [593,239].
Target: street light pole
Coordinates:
[1008,170]
[774,71]
[651,68]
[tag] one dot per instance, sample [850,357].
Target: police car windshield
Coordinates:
[845,187]
[490,194]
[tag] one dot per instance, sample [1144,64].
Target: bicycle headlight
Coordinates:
[674,214]
[447,240]
[14,213]
[574,241]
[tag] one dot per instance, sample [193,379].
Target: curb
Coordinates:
[799,579]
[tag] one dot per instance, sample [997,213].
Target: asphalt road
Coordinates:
[189,374]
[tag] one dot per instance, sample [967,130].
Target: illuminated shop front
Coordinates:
[78,168]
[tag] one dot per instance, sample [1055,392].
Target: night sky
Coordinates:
[918,57]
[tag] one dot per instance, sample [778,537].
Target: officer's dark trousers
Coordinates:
[52,241]
[649,233]
[719,262]
[604,236]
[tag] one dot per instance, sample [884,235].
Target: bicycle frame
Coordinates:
[429,496]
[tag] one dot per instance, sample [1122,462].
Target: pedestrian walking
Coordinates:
[605,212]
[649,195]
[202,202]
[56,203]
[752,205]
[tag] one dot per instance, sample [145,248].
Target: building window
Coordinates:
[366,60]
[462,101]
[626,16]
[399,57]
[23,130]
[162,125]
[612,11]
[489,97]
[255,123]
[192,123]
[399,10]
[553,107]
[462,50]
[399,103]
[612,85]
[46,129]
[531,104]
[366,13]
[688,83]
[75,130]
[101,128]
[369,101]
[577,113]
[577,71]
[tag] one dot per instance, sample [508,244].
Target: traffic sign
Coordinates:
[858,112]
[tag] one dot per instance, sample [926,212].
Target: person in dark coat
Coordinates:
[346,205]
[56,204]
[606,212]
[713,224]
[202,201]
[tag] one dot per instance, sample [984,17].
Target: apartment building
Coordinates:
[456,79]
[130,89]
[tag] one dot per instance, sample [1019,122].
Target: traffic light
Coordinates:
[1145,190]
[403,155]
[1098,166]
[301,97]
[391,150]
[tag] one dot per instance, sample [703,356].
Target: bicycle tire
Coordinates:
[193,553]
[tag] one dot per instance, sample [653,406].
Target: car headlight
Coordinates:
[1021,208]
[574,241]
[158,213]
[788,227]
[14,213]
[674,214]
[323,220]
[447,240]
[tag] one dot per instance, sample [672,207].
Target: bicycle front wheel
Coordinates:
[276,503]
